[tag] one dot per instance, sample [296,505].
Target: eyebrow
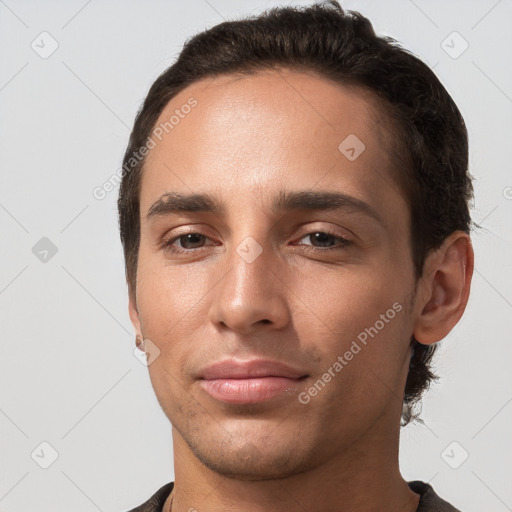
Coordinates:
[173,202]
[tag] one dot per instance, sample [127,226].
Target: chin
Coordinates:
[250,464]
[247,456]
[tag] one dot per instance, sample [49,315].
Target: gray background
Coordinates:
[68,376]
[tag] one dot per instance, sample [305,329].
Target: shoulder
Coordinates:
[430,501]
[156,502]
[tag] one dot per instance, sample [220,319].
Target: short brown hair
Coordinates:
[428,131]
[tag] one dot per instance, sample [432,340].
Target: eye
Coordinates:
[325,239]
[187,242]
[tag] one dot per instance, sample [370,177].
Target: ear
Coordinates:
[444,288]
[134,317]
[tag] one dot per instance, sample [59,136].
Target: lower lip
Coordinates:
[248,391]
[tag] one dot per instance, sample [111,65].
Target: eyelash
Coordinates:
[343,242]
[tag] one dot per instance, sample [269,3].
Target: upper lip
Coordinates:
[240,369]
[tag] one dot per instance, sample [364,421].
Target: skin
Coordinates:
[248,139]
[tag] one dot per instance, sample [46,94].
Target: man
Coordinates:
[294,218]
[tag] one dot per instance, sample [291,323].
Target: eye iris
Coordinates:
[322,238]
[193,238]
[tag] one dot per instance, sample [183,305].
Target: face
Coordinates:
[281,300]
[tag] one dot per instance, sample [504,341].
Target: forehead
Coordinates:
[266,130]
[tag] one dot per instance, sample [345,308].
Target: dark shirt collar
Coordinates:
[429,501]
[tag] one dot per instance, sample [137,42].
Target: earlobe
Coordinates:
[445,287]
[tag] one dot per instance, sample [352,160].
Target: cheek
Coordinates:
[169,295]
[347,300]
[173,304]
[356,324]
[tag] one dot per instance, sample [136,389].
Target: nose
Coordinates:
[252,295]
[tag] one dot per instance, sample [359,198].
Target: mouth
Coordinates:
[248,382]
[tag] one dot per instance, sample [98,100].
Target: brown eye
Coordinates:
[191,240]
[185,243]
[324,240]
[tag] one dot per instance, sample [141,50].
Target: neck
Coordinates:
[365,477]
